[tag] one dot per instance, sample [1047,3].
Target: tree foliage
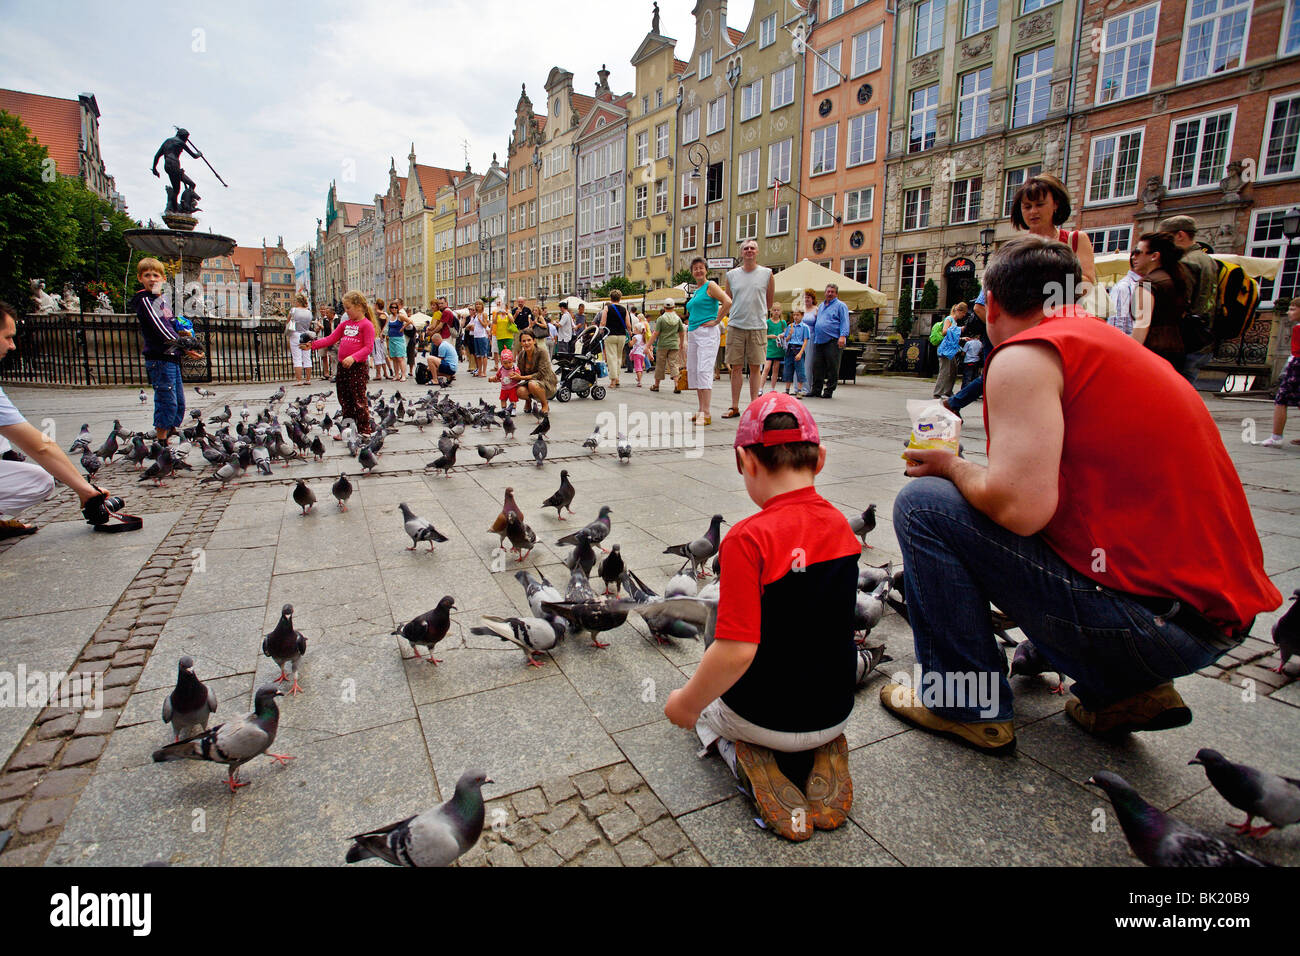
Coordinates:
[622,283]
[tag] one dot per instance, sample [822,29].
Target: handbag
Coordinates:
[681,379]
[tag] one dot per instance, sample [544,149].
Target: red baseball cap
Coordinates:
[751,430]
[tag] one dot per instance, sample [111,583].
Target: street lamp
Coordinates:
[1291,223]
[104,226]
[986,242]
[698,154]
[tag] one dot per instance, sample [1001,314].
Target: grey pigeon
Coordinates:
[222,416]
[595,533]
[429,628]
[508,425]
[233,744]
[533,634]
[107,450]
[582,556]
[137,453]
[419,529]
[593,616]
[563,498]
[488,452]
[593,440]
[699,551]
[543,426]
[92,463]
[539,450]
[227,472]
[869,577]
[160,469]
[539,590]
[611,568]
[317,448]
[679,618]
[1028,661]
[285,645]
[870,608]
[522,538]
[342,490]
[433,838]
[1158,839]
[578,588]
[444,462]
[204,393]
[869,658]
[303,496]
[366,458]
[681,584]
[190,702]
[1286,632]
[83,441]
[863,524]
[1257,793]
[624,449]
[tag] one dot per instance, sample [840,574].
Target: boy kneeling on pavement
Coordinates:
[775,688]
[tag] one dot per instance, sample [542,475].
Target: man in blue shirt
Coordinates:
[442,363]
[830,332]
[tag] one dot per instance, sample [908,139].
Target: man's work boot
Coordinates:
[991,737]
[1159,708]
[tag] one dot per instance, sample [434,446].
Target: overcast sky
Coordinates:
[284,97]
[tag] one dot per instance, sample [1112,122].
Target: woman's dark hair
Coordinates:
[1171,257]
[1037,188]
[798,455]
[701,260]
[527,332]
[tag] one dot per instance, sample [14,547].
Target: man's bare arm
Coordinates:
[42,450]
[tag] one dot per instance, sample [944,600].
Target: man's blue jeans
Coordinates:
[957,561]
[168,393]
[968,393]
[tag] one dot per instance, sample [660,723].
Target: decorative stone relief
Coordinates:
[923,65]
[1256,79]
[1042,23]
[1158,103]
[970,50]
[896,141]
[1152,194]
[941,129]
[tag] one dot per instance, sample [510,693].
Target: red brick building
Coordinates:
[1189,108]
[69,129]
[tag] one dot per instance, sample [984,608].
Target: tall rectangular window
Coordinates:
[615,203]
[746,226]
[714,184]
[980,15]
[859,204]
[1033,88]
[778,220]
[966,194]
[826,72]
[642,148]
[923,119]
[1113,168]
[973,103]
[717,115]
[778,161]
[866,51]
[916,208]
[688,238]
[751,100]
[1291,29]
[747,171]
[706,65]
[1214,40]
[783,87]
[640,201]
[929,26]
[821,155]
[713,233]
[1198,151]
[1127,48]
[1266,239]
[858,269]
[638,247]
[661,141]
[691,126]
[584,217]
[1110,239]
[821,212]
[911,273]
[616,258]
[1282,136]
[661,244]
[690,191]
[767,31]
[661,196]
[1015,179]
[862,139]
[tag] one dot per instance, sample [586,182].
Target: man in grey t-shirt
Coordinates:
[752,289]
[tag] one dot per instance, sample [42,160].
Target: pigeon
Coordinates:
[227,472]
[593,440]
[446,442]
[593,616]
[429,628]
[137,453]
[317,448]
[143,398]
[419,529]
[434,838]
[595,532]
[612,568]
[222,416]
[543,426]
[190,703]
[204,393]
[563,498]
[539,450]
[539,590]
[679,618]
[1001,624]
[521,536]
[160,469]
[1256,793]
[366,458]
[488,452]
[870,608]
[1286,632]
[83,441]
[624,449]
[869,576]
[699,551]
[681,584]
[445,462]
[533,634]
[92,463]
[233,744]
[582,556]
[863,524]
[285,645]
[869,658]
[578,588]
[507,505]
[342,490]
[303,496]
[1028,661]
[107,450]
[508,425]
[1158,839]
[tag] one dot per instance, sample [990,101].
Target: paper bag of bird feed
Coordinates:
[933,426]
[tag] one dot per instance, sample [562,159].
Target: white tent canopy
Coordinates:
[806,274]
[1114,265]
[420,320]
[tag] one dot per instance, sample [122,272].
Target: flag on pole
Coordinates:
[776,194]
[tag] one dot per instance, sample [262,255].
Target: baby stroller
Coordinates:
[578,373]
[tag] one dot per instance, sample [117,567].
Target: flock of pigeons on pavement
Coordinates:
[288,431]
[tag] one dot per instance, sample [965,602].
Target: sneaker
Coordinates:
[1271,442]
[992,737]
[1159,708]
[829,789]
[780,803]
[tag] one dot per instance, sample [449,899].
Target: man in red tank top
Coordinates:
[1110,525]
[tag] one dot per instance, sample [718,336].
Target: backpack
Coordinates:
[1236,305]
[936,332]
[422,374]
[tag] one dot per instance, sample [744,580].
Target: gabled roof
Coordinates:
[583,104]
[249,262]
[679,66]
[735,36]
[432,178]
[353,211]
[55,123]
[401,187]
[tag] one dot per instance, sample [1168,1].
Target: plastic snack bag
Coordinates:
[933,426]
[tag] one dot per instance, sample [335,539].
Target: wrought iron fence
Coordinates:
[94,350]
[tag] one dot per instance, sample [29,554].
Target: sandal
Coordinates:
[13,528]
[654,388]
[732,412]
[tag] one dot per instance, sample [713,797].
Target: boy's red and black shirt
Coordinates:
[788,581]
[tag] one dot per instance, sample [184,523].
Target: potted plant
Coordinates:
[903,321]
[866,325]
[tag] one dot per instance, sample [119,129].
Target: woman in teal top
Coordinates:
[705,310]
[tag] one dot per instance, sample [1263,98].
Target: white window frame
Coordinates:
[747,168]
[917,275]
[870,193]
[706,65]
[1219,14]
[826,68]
[779,166]
[721,116]
[816,152]
[782,82]
[616,257]
[751,100]
[1101,237]
[981,7]
[1269,119]
[869,122]
[1092,157]
[865,272]
[660,244]
[690,125]
[641,148]
[927,15]
[778,220]
[691,239]
[690,191]
[661,141]
[1126,50]
[1272,248]
[924,205]
[615,201]
[640,200]
[661,196]
[1039,79]
[638,247]
[767,31]
[870,41]
[1008,193]
[1290,29]
[747,225]
[1217,175]
[821,212]
[929,108]
[713,233]
[970,211]
[977,102]
[1029,6]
